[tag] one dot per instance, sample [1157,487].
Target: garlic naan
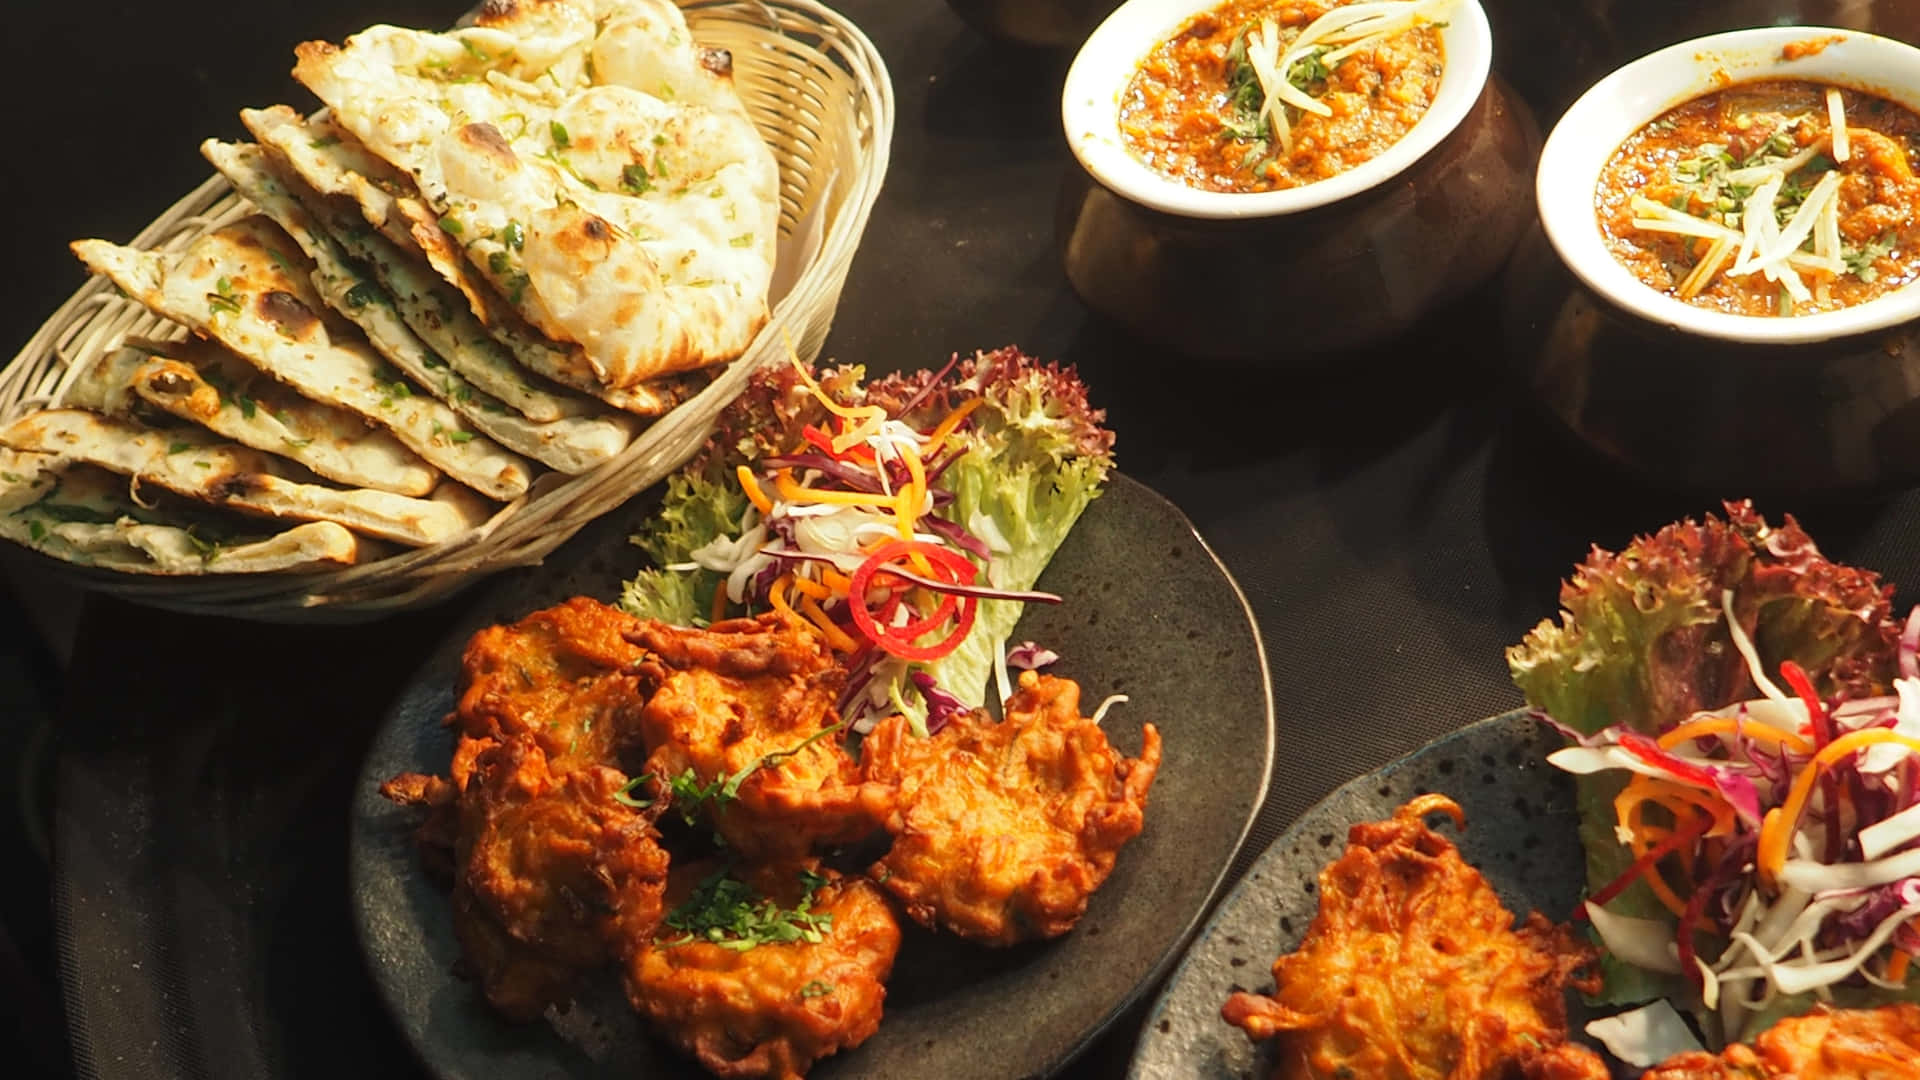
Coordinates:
[204,384]
[601,174]
[569,444]
[83,515]
[196,466]
[246,286]
[489,343]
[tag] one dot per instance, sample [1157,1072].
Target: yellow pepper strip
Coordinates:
[867,418]
[809,587]
[1764,733]
[795,492]
[1776,832]
[836,637]
[947,426]
[751,485]
[840,583]
[907,512]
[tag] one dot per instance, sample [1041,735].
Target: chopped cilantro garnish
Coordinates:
[635,181]
[559,133]
[729,913]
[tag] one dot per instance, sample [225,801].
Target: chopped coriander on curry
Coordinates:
[1258,95]
[1769,198]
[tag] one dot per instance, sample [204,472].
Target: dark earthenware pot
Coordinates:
[1293,275]
[1825,403]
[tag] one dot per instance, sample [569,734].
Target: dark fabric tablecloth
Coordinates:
[1396,518]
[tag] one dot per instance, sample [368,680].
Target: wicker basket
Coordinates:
[820,96]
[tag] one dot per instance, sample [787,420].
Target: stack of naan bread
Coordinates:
[498,250]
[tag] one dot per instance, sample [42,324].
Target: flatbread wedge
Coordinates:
[204,469]
[329,158]
[612,210]
[246,286]
[569,444]
[201,383]
[484,339]
[83,515]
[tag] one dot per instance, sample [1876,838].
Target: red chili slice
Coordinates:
[901,641]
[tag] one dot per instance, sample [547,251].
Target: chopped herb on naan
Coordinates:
[246,285]
[197,466]
[83,515]
[600,174]
[202,383]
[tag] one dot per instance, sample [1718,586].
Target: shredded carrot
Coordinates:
[1678,799]
[751,485]
[1776,832]
[836,637]
[947,426]
[809,587]
[718,610]
[1645,840]
[1897,967]
[777,596]
[1764,733]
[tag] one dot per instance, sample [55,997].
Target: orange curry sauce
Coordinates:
[1182,116]
[1685,158]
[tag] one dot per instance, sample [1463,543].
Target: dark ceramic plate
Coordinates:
[1150,613]
[1521,834]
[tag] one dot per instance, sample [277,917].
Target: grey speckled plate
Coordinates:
[1521,834]
[1149,612]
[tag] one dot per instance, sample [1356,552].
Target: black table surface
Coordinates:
[1396,516]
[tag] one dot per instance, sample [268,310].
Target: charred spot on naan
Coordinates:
[717,62]
[287,314]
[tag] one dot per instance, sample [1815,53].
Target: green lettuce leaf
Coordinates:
[1035,457]
[694,511]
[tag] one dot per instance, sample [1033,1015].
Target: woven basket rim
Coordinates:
[849,98]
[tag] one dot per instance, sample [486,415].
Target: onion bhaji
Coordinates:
[744,712]
[1003,830]
[559,676]
[553,876]
[577,726]
[1412,970]
[813,984]
[1826,1044]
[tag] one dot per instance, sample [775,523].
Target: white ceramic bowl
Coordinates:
[1090,109]
[1635,95]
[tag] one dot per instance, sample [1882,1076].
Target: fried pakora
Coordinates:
[559,676]
[1826,1044]
[553,876]
[741,717]
[1412,970]
[762,975]
[1003,830]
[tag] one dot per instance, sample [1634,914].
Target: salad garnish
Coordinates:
[1743,716]
[904,521]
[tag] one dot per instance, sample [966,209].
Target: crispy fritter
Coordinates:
[552,876]
[771,1010]
[747,706]
[1003,830]
[1826,1044]
[559,676]
[1412,970]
